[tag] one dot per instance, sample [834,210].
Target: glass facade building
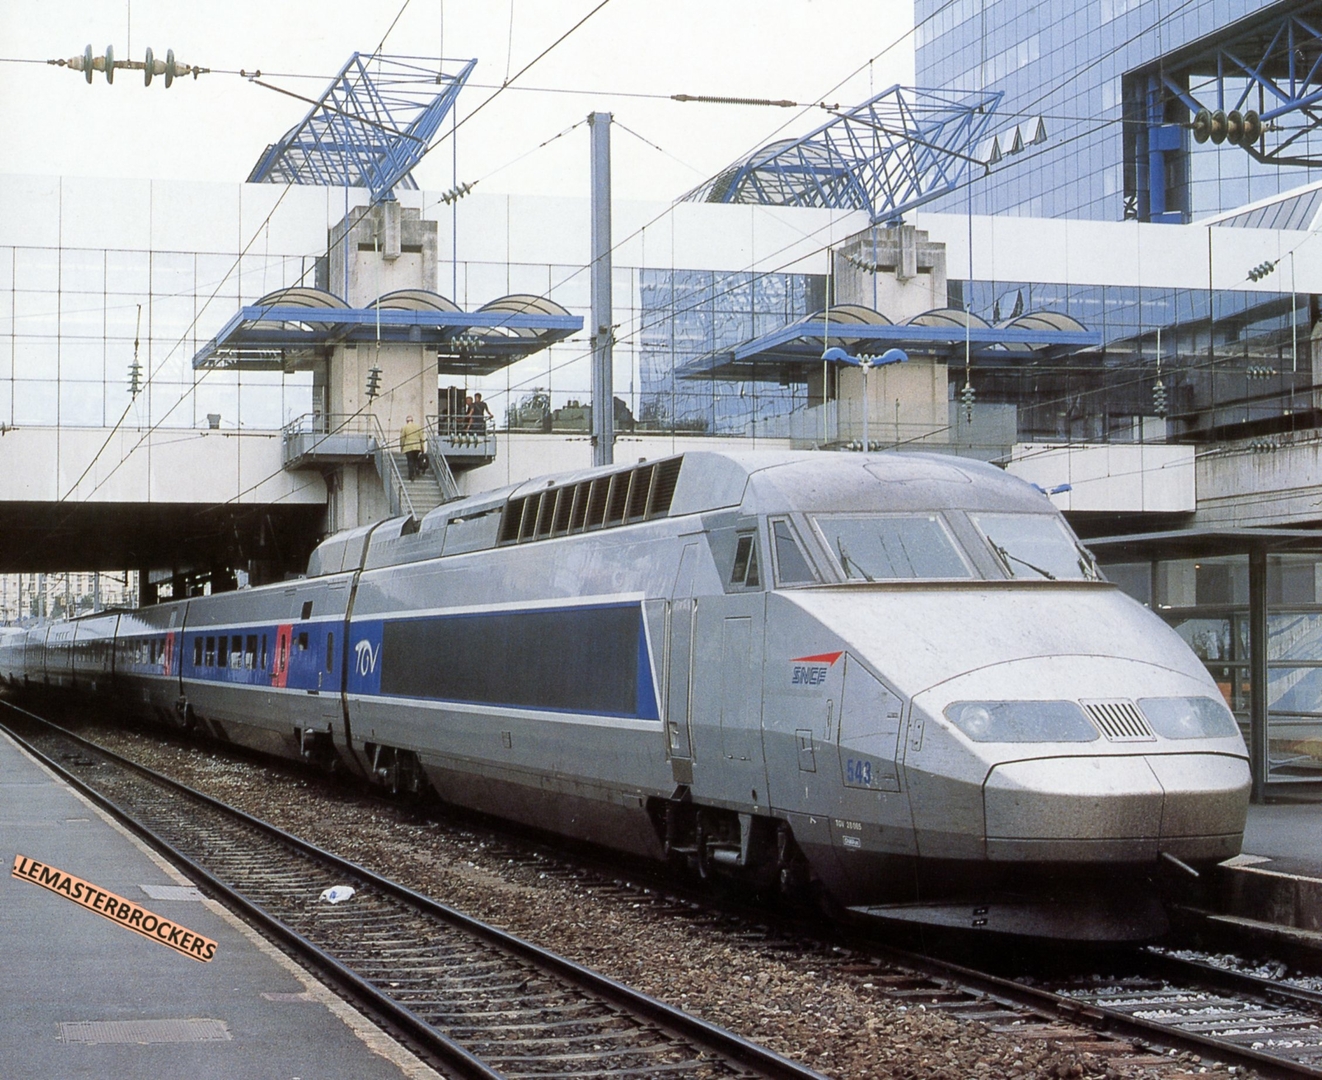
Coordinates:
[687,314]
[1066,61]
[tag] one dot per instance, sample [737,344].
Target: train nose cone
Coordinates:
[1116,808]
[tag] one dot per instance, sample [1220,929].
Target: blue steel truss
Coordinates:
[1270,63]
[370,127]
[894,152]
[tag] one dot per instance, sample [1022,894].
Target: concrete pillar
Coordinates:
[899,272]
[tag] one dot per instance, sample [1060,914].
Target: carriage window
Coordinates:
[222,653]
[197,652]
[330,652]
[263,652]
[745,563]
[883,547]
[236,647]
[791,567]
[209,658]
[250,653]
[307,609]
[303,641]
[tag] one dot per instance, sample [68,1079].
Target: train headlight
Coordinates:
[1021,721]
[1188,717]
[975,720]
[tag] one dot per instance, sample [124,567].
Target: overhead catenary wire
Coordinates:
[630,130]
[778,268]
[238,261]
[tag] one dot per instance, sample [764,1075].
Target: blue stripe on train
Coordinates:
[585,659]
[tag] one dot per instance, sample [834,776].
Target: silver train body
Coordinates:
[897,679]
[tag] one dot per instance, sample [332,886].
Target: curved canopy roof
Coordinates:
[414,300]
[290,329]
[788,354]
[949,317]
[519,304]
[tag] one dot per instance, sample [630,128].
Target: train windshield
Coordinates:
[1036,546]
[886,547]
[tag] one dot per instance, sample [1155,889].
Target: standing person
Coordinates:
[410,441]
[468,414]
[477,415]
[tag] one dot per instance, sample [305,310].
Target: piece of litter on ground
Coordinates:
[337,893]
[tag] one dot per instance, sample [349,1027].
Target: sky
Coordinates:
[216,127]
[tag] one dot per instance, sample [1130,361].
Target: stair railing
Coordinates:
[387,468]
[440,467]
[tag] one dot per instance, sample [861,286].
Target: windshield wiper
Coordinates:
[1006,558]
[1088,563]
[845,560]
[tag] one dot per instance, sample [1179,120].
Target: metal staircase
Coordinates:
[318,440]
[417,497]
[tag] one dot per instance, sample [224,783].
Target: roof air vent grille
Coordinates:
[642,493]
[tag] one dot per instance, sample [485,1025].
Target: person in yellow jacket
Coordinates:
[410,442]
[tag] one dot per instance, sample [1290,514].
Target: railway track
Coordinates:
[1227,1013]
[473,999]
[1158,1009]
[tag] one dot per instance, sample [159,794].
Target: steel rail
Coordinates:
[726,1045]
[1234,981]
[1112,1021]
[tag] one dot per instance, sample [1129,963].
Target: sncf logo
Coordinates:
[811,670]
[366,657]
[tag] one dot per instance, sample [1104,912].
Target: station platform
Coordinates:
[1277,879]
[1275,886]
[85,996]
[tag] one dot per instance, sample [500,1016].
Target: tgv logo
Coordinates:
[367,657]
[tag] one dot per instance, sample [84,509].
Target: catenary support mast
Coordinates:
[603,333]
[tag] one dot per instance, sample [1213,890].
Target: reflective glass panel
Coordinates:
[880,548]
[791,567]
[1034,546]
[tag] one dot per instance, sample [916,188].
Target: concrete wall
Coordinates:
[1111,477]
[1276,482]
[44,464]
[1123,253]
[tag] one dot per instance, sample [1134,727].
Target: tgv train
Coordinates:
[896,679]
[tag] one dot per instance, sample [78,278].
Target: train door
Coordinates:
[737,689]
[280,655]
[679,688]
[802,691]
[869,743]
[869,731]
[679,666]
[726,679]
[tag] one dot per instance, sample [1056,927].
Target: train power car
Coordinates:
[897,679]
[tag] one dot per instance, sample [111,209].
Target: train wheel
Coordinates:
[701,857]
[792,873]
